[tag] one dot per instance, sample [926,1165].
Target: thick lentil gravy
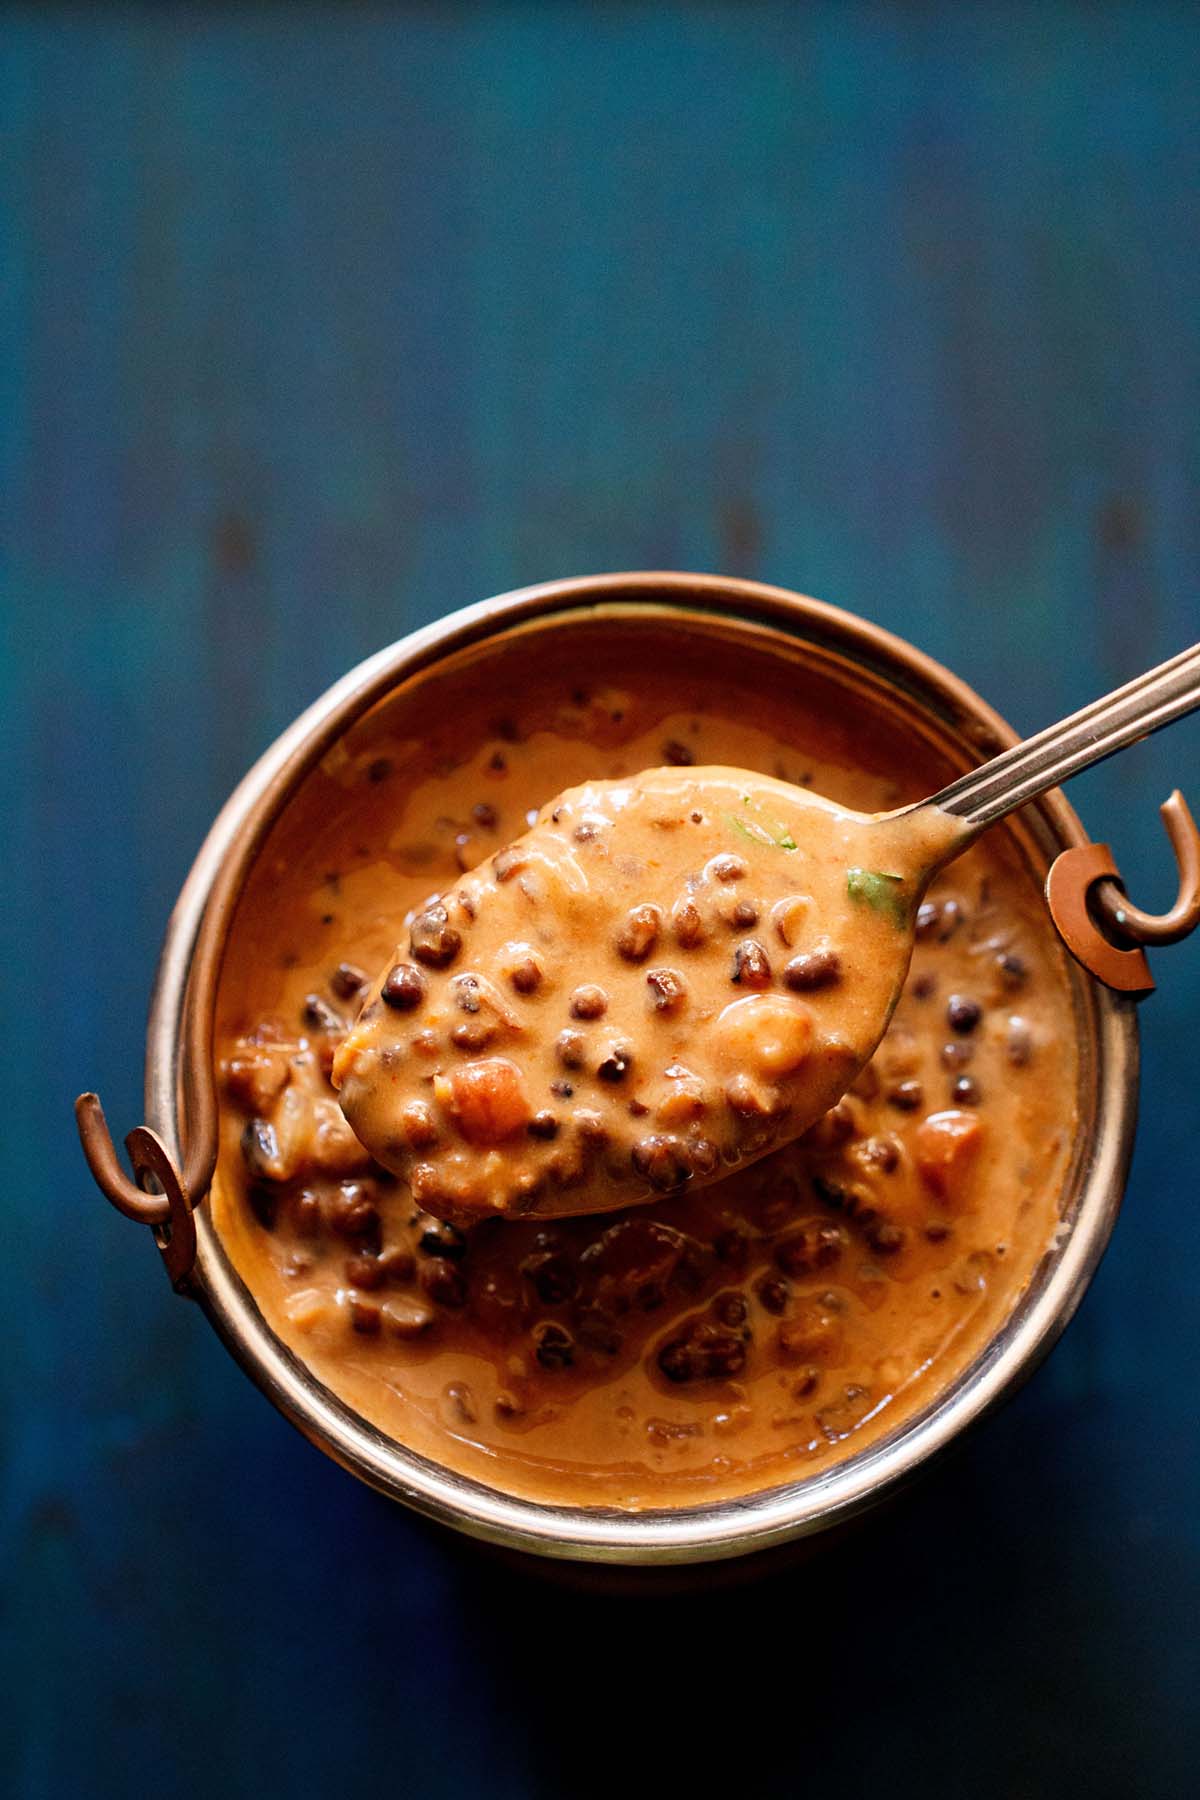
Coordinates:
[716,1340]
[653,919]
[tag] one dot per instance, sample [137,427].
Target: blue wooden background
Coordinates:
[317,322]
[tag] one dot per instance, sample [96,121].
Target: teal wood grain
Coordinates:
[316,322]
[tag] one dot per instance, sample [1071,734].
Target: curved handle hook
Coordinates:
[109,1176]
[1129,921]
[169,1213]
[1102,929]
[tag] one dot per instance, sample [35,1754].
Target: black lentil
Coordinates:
[751,965]
[688,924]
[589,1002]
[906,1096]
[616,1065]
[553,1346]
[347,982]
[667,989]
[320,1016]
[639,934]
[527,976]
[963,1014]
[435,941]
[812,969]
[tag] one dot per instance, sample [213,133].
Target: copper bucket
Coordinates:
[175,1154]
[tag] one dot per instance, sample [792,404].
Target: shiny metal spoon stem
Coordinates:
[1143,706]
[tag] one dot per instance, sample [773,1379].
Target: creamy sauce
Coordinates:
[665,977]
[711,1342]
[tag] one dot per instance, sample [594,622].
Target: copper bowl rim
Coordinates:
[769,1516]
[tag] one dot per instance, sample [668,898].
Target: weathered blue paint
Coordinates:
[316,322]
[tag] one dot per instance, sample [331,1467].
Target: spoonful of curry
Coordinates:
[670,974]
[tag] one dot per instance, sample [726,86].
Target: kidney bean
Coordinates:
[639,934]
[1013,970]
[814,969]
[773,1293]
[347,982]
[928,917]
[435,941]
[305,1215]
[751,965]
[663,1161]
[727,868]
[965,1091]
[365,1316]
[676,754]
[745,914]
[352,1215]
[590,1126]
[485,815]
[730,1310]
[404,988]
[667,989]
[963,1014]
[439,1239]
[883,1237]
[553,1276]
[703,1155]
[543,1125]
[703,1352]
[571,1048]
[473,1035]
[906,1096]
[407,1317]
[589,1002]
[443,1282]
[419,1125]
[553,1346]
[509,862]
[688,924]
[398,1264]
[526,977]
[817,1245]
[1018,1041]
[882,1153]
[260,1149]
[616,1065]
[363,1271]
[318,1015]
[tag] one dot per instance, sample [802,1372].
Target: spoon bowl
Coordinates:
[663,978]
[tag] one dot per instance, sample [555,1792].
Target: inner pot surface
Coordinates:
[886,673]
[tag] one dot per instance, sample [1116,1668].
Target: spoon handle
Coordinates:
[986,794]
